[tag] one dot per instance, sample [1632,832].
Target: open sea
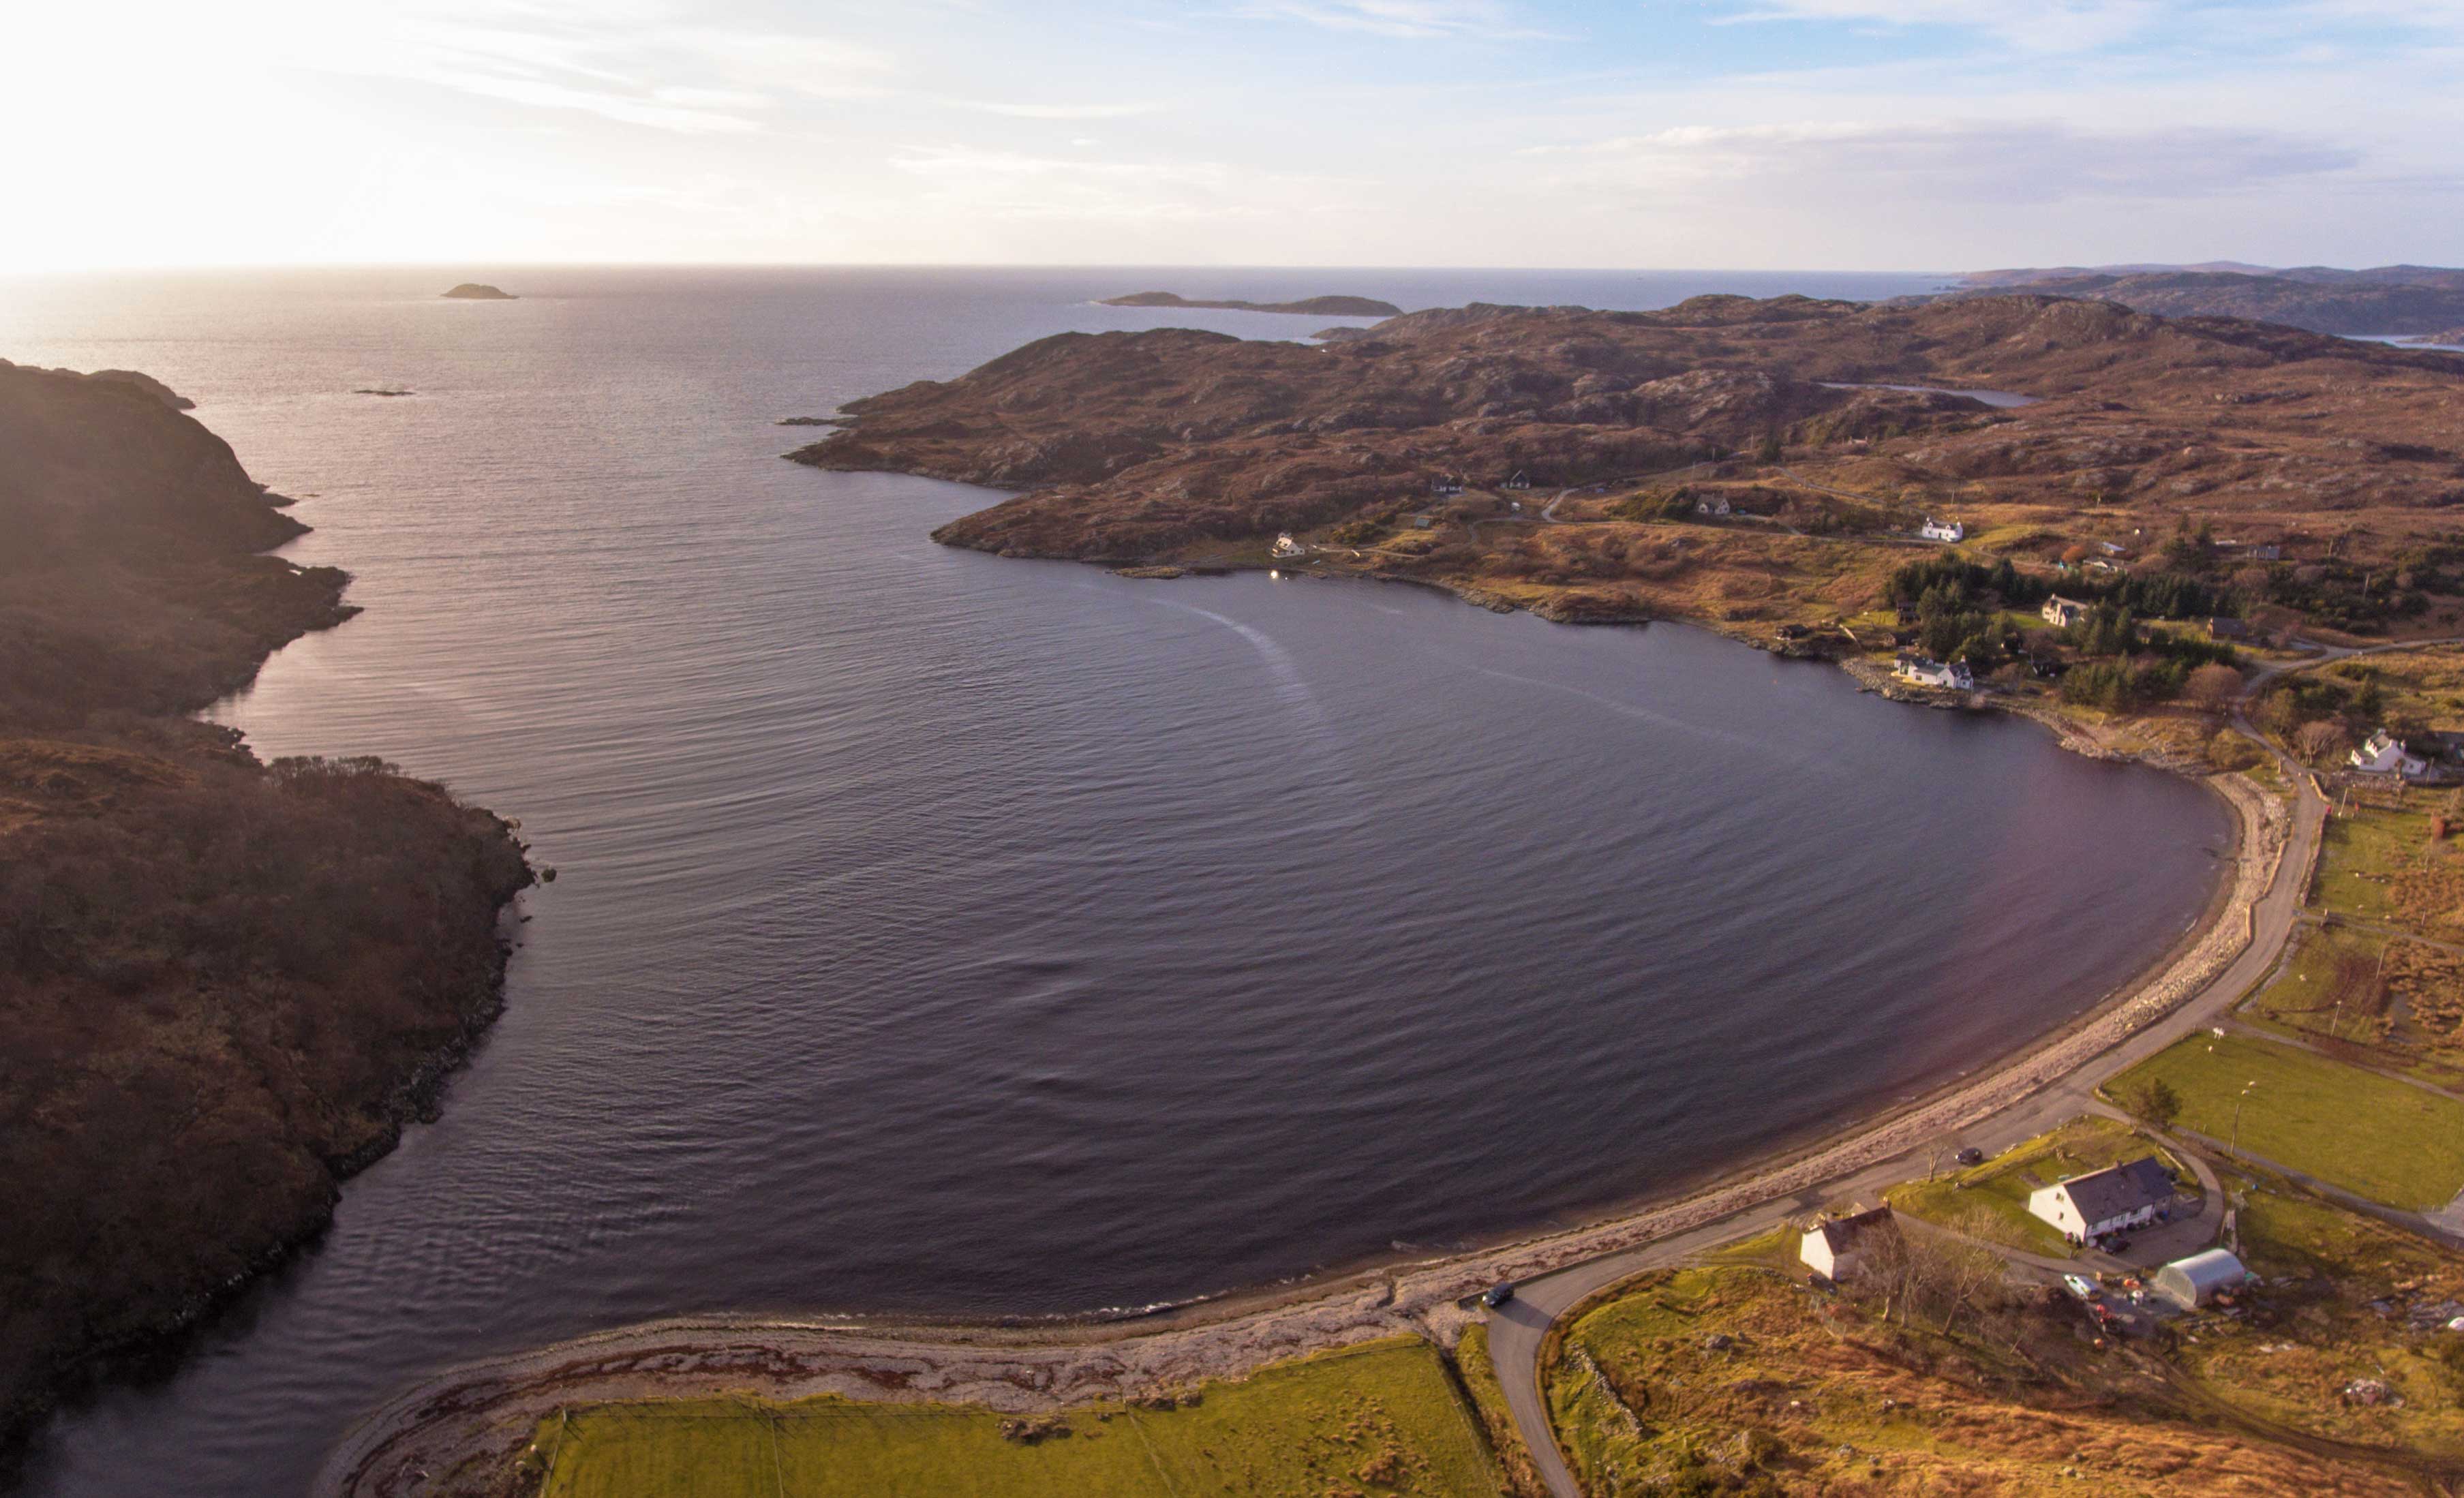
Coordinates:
[940,934]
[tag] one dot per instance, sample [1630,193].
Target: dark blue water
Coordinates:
[940,933]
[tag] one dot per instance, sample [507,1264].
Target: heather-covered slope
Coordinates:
[223,985]
[2395,300]
[1144,446]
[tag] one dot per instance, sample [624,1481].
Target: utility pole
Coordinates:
[2239,1100]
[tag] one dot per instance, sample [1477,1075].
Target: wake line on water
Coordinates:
[1291,687]
[1759,748]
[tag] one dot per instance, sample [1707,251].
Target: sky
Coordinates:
[1926,135]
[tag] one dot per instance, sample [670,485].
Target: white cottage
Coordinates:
[2107,1201]
[2385,754]
[1835,1247]
[1285,548]
[1942,530]
[1927,671]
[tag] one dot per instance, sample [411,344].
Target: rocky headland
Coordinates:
[2395,298]
[1307,306]
[224,984]
[479,290]
[1727,459]
[146,382]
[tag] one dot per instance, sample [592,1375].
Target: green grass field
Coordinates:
[2368,1133]
[2329,964]
[2361,857]
[1991,1201]
[1381,1418]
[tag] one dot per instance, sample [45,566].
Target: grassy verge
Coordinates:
[1991,1201]
[1375,1419]
[2351,1127]
[1488,1402]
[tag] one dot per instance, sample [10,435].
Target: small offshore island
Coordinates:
[229,983]
[478,291]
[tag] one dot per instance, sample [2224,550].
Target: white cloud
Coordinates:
[1018,111]
[2039,25]
[1978,163]
[655,66]
[1484,20]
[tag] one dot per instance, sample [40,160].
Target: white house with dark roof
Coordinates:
[2383,753]
[1927,671]
[2106,1200]
[1835,1247]
[1942,530]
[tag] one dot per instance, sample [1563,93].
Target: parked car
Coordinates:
[1496,1295]
[2078,1286]
[1971,1156]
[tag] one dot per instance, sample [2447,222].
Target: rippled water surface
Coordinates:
[939,933]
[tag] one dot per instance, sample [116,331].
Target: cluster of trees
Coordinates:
[2342,595]
[1959,605]
[2170,595]
[2361,599]
[2322,714]
[2129,666]
[1967,583]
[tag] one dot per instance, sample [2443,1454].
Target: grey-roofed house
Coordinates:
[1834,1247]
[2105,1200]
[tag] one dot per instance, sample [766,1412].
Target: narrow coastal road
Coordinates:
[1519,1329]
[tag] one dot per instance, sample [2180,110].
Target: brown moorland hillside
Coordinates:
[2398,299]
[224,985]
[1175,446]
